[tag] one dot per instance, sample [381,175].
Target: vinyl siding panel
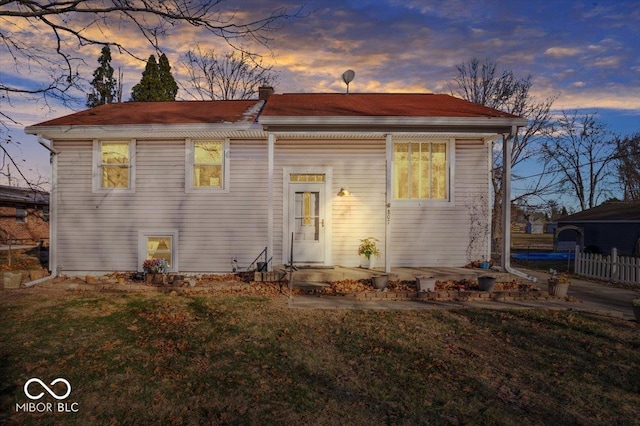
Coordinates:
[356,165]
[438,234]
[99,231]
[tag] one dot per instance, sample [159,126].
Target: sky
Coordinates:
[585,52]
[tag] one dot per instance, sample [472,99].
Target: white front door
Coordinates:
[307,218]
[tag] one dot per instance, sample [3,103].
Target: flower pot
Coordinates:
[558,289]
[379,282]
[12,279]
[636,312]
[486,283]
[366,262]
[152,278]
[426,283]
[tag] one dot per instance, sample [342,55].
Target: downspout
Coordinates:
[270,171]
[387,219]
[506,206]
[53,214]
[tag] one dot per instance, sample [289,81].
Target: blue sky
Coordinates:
[586,52]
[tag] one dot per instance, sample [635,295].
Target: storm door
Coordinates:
[307,220]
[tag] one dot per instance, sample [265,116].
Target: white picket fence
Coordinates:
[611,268]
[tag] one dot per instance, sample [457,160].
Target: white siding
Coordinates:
[439,234]
[358,165]
[98,231]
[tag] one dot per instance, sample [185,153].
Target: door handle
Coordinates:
[322,223]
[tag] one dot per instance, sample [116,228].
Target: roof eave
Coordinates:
[132,130]
[446,124]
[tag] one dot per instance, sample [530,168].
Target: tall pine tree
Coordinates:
[157,83]
[103,84]
[148,89]
[168,84]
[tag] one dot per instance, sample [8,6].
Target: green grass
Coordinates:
[161,359]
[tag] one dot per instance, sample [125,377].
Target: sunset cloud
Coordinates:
[562,51]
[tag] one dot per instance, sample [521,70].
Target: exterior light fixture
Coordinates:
[344,192]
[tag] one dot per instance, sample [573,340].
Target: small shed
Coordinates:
[599,229]
[535,226]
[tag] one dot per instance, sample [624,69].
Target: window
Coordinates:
[21,215]
[114,165]
[160,244]
[421,171]
[207,166]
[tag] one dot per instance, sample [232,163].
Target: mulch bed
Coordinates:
[234,284]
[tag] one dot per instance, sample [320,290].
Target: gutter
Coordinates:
[506,206]
[52,215]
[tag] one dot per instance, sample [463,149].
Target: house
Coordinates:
[204,183]
[601,228]
[24,216]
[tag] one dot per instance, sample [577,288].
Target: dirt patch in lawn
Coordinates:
[243,359]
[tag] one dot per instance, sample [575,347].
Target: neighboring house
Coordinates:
[200,183]
[24,216]
[601,228]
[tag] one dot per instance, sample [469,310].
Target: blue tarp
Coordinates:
[543,256]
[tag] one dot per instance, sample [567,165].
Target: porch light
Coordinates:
[344,192]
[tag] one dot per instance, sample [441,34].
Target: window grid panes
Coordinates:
[115,163]
[208,157]
[306,178]
[159,247]
[420,170]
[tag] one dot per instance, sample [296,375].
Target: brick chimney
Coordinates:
[264,92]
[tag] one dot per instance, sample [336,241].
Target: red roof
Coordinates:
[375,105]
[177,112]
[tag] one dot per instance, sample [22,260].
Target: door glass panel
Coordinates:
[307,216]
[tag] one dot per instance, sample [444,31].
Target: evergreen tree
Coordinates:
[157,83]
[148,89]
[103,83]
[168,84]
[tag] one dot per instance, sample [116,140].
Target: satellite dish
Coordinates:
[347,77]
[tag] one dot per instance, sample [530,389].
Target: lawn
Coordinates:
[235,360]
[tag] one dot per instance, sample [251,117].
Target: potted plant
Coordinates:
[367,249]
[558,284]
[154,270]
[636,308]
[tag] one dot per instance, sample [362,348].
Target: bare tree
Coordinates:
[481,82]
[628,166]
[75,24]
[583,151]
[231,75]
[44,40]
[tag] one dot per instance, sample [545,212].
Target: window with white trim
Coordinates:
[21,215]
[158,244]
[420,170]
[114,166]
[207,165]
